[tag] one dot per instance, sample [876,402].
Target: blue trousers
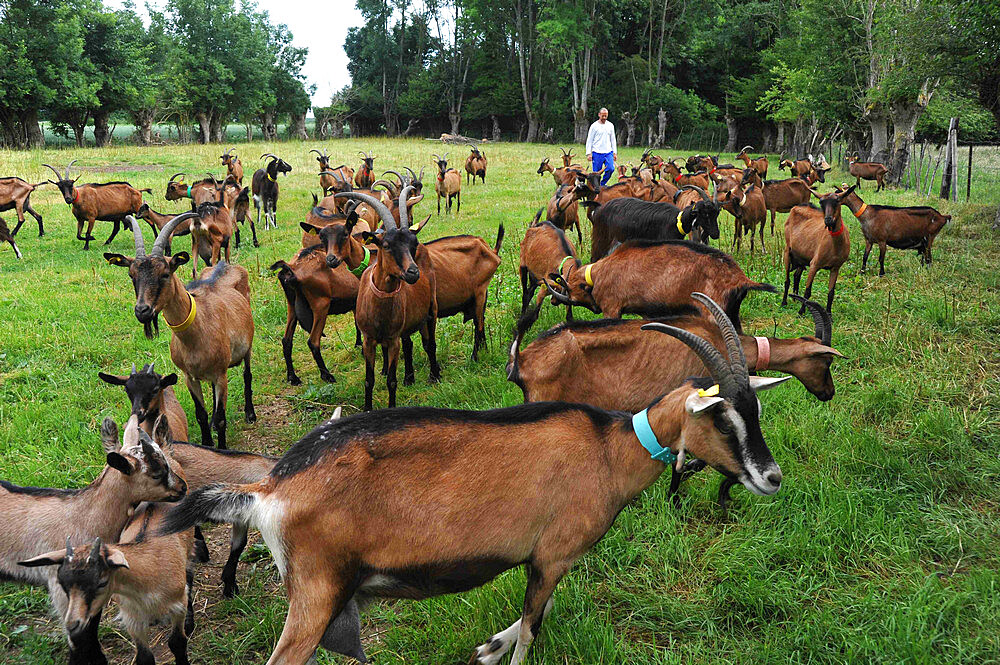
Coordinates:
[604,161]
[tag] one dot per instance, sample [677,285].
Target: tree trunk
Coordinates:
[218,127]
[496,128]
[298,126]
[580,126]
[879,125]
[532,131]
[204,128]
[779,142]
[102,137]
[34,137]
[905,115]
[143,119]
[731,128]
[661,127]
[79,130]
[267,127]
[455,117]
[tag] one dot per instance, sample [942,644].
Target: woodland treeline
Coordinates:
[783,75]
[199,65]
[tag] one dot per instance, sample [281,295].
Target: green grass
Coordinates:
[881,547]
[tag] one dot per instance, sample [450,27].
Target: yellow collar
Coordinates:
[680,224]
[186,323]
[587,276]
[270,178]
[861,210]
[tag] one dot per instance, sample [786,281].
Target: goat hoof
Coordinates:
[434,378]
[329,378]
[256,244]
[294,380]
[251,416]
[408,380]
[230,590]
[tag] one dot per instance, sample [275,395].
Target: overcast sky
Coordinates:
[319,25]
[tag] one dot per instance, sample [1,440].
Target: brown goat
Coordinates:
[783,195]
[475,165]
[564,175]
[759,165]
[654,162]
[234,167]
[211,231]
[564,209]
[913,227]
[108,202]
[15,194]
[745,202]
[7,236]
[678,179]
[157,220]
[648,277]
[339,515]
[200,191]
[448,184]
[865,171]
[365,175]
[151,396]
[214,329]
[397,297]
[816,238]
[545,249]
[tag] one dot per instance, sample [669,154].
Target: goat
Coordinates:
[448,185]
[326,180]
[199,191]
[646,277]
[397,297]
[911,227]
[211,231]
[654,162]
[860,170]
[567,158]
[150,577]
[15,194]
[816,238]
[699,178]
[545,249]
[108,202]
[475,164]
[7,236]
[370,466]
[265,188]
[214,329]
[759,165]
[626,219]
[157,220]
[662,189]
[234,167]
[564,209]
[151,396]
[564,175]
[365,175]
[783,195]
[747,206]
[39,519]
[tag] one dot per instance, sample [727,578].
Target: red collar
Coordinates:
[76,195]
[678,178]
[843,226]
[714,169]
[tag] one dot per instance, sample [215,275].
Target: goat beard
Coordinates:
[152,328]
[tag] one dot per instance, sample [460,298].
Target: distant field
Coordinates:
[883,545]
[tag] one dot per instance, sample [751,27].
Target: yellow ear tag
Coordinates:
[709,392]
[415,227]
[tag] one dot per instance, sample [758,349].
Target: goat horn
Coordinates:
[563,150]
[69,549]
[391,186]
[58,177]
[267,154]
[734,349]
[821,319]
[133,369]
[160,244]
[746,147]
[177,174]
[363,155]
[317,152]
[558,297]
[140,245]
[150,371]
[436,157]
[814,192]
[709,355]
[95,551]
[412,174]
[68,167]
[404,214]
[377,206]
[402,180]
[421,176]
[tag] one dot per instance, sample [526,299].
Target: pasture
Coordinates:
[883,544]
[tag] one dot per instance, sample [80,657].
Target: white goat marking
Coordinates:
[267,518]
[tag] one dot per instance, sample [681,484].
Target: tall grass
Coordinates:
[881,547]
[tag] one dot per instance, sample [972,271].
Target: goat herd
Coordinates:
[414,502]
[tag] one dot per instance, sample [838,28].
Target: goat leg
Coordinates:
[408,375]
[200,414]
[237,543]
[114,232]
[248,411]
[220,392]
[427,339]
[368,349]
[390,377]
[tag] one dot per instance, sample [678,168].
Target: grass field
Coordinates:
[882,546]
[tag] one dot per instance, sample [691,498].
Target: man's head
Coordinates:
[602,115]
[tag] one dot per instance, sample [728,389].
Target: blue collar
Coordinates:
[640,423]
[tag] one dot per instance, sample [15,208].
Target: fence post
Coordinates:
[968,179]
[949,161]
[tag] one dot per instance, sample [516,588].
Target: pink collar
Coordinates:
[763,353]
[379,292]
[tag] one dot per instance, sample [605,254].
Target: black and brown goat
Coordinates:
[396,298]
[624,219]
[745,202]
[448,184]
[151,396]
[759,165]
[234,167]
[545,249]
[15,194]
[214,326]
[564,209]
[107,202]
[861,171]
[7,236]
[654,162]
[475,165]
[783,195]
[912,227]
[41,519]
[365,176]
[378,541]
[816,238]
[265,188]
[211,232]
[648,277]
[327,183]
[199,191]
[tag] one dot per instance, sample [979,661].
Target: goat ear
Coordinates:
[120,463]
[369,238]
[116,558]
[418,227]
[695,404]
[178,259]
[168,380]
[112,379]
[828,351]
[758,383]
[52,558]
[309,228]
[118,260]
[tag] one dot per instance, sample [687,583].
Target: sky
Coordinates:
[319,25]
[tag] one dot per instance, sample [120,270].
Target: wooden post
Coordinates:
[954,163]
[968,178]
[930,183]
[949,162]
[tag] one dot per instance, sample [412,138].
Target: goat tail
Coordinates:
[734,299]
[496,247]
[212,503]
[524,323]
[148,190]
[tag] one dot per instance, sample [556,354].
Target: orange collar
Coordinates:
[861,210]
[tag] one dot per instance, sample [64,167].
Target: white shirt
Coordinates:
[601,138]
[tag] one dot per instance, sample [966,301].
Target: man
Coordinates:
[602,146]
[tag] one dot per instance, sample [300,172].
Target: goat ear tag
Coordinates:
[709,392]
[758,383]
